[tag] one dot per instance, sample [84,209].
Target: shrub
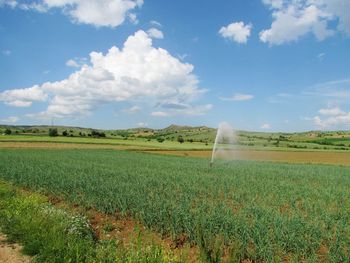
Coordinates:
[180,139]
[53,132]
[160,139]
[8,131]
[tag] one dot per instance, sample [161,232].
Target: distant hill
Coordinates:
[311,140]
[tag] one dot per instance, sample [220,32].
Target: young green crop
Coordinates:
[260,211]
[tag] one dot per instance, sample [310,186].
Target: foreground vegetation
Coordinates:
[242,210]
[53,235]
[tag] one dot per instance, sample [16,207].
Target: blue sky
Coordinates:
[264,65]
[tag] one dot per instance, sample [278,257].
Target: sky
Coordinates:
[260,65]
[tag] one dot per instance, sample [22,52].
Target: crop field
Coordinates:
[247,210]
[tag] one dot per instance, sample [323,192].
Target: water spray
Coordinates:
[224,142]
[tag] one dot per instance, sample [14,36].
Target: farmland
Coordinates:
[261,211]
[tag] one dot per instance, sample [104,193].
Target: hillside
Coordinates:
[339,140]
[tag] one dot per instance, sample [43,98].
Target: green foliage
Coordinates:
[53,132]
[8,132]
[55,235]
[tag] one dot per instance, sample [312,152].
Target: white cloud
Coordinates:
[23,97]
[265,126]
[333,121]
[142,124]
[159,114]
[72,63]
[237,32]
[6,52]
[331,111]
[132,110]
[155,23]
[136,72]
[238,97]
[110,13]
[11,119]
[155,33]
[294,19]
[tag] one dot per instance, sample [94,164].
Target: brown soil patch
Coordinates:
[10,253]
[130,232]
[339,158]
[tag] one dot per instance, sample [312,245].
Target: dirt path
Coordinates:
[10,253]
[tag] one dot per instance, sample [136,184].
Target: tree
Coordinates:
[160,139]
[180,139]
[53,132]
[65,133]
[8,131]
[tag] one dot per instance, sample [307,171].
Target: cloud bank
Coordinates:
[136,72]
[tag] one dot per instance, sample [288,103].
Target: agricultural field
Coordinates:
[238,211]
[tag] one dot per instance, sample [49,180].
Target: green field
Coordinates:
[256,210]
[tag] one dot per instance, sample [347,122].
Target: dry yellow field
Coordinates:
[339,158]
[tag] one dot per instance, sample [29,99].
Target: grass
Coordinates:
[253,210]
[56,235]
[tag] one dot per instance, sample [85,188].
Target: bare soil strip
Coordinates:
[10,253]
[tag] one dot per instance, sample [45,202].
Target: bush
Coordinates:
[53,132]
[8,131]
[160,139]
[97,134]
[180,139]
[65,133]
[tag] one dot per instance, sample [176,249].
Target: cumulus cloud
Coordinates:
[23,97]
[11,119]
[76,62]
[136,72]
[334,118]
[155,33]
[110,13]
[238,97]
[294,19]
[237,32]
[331,111]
